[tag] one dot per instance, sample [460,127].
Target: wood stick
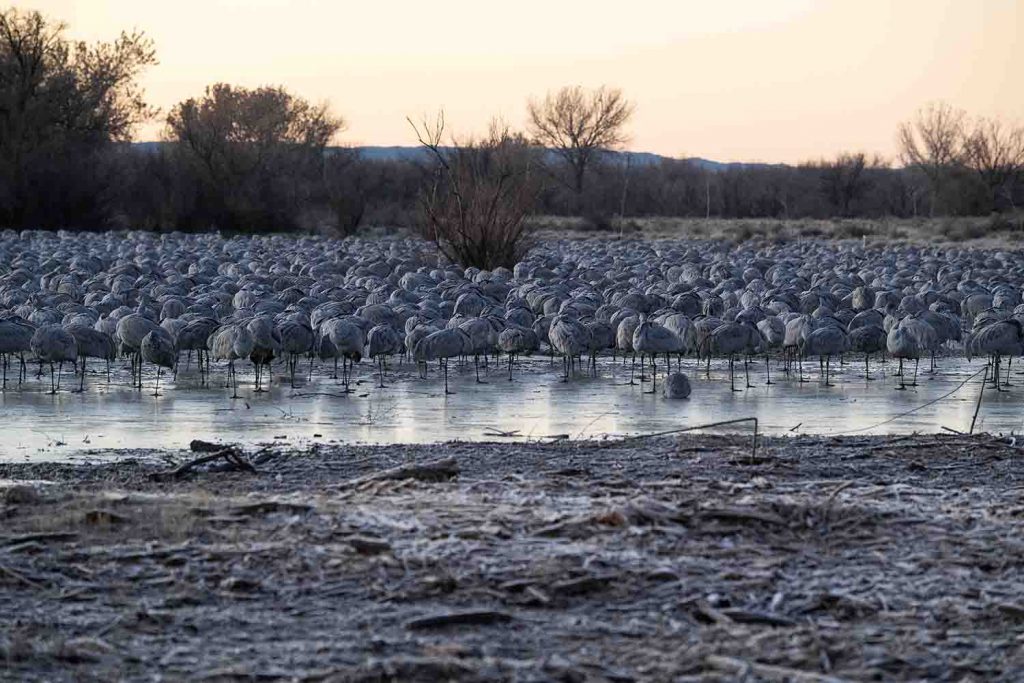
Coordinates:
[734,665]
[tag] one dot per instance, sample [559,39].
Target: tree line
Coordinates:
[265,159]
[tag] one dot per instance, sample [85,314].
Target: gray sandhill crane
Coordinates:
[382,341]
[824,342]
[231,342]
[266,346]
[348,341]
[926,336]
[571,339]
[296,341]
[53,344]
[624,340]
[681,325]
[731,340]
[797,330]
[15,338]
[194,337]
[158,348]
[442,346]
[773,334]
[482,340]
[324,349]
[867,339]
[1004,338]
[515,340]
[413,336]
[902,344]
[703,327]
[130,331]
[91,343]
[650,339]
[601,337]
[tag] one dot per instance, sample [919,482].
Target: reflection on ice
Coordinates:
[537,404]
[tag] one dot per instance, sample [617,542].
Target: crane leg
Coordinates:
[767,370]
[914,382]
[156,388]
[746,371]
[867,371]
[902,386]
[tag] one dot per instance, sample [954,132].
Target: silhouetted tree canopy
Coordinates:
[62,103]
[253,148]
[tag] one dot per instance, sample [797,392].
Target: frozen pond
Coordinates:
[537,404]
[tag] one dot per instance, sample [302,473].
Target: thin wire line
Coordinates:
[912,410]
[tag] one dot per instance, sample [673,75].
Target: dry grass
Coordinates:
[872,558]
[1001,230]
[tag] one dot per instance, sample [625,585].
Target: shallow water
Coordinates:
[37,425]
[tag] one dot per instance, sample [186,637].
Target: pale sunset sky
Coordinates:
[731,80]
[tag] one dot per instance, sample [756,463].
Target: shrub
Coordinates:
[476,200]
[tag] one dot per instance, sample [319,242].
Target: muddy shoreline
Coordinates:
[870,558]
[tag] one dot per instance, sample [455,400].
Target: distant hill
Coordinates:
[637,158]
[416,153]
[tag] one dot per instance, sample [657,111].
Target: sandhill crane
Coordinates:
[824,342]
[442,346]
[601,337]
[130,331]
[731,340]
[797,330]
[231,342]
[296,340]
[15,338]
[482,340]
[381,341]
[682,327]
[624,340]
[867,339]
[773,334]
[1004,338]
[515,340]
[677,385]
[703,326]
[157,348]
[92,343]
[902,344]
[266,346]
[650,339]
[926,336]
[348,342]
[53,344]
[571,339]
[412,337]
[194,337]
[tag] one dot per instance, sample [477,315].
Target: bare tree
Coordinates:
[475,204]
[845,179]
[577,124]
[934,144]
[996,153]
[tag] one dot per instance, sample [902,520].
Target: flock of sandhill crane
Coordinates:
[158,300]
